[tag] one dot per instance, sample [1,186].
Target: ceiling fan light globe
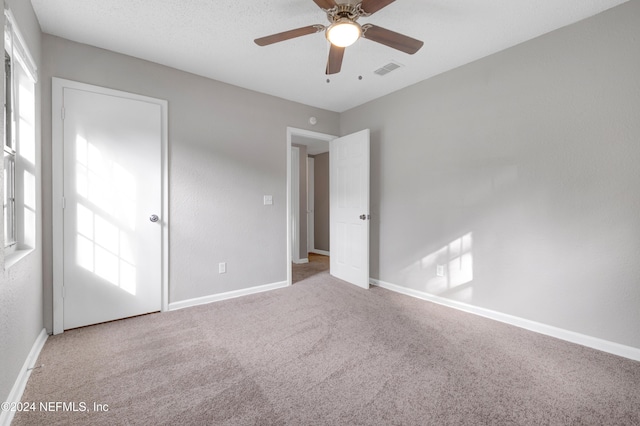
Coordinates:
[343,32]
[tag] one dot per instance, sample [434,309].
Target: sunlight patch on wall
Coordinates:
[447,271]
[460,265]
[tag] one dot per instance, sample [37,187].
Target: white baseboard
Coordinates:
[224,296]
[559,333]
[322,252]
[301,261]
[23,376]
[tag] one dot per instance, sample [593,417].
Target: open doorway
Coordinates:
[308,203]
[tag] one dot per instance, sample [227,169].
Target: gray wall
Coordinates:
[321,201]
[21,285]
[532,155]
[302,252]
[227,149]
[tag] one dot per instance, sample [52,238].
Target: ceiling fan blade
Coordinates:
[391,38]
[372,6]
[334,63]
[286,35]
[325,4]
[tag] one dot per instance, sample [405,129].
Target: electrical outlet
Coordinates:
[440,270]
[222,267]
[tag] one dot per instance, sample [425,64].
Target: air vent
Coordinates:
[387,68]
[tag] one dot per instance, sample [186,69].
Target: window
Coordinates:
[9,207]
[19,153]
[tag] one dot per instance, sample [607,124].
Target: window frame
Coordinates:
[20,200]
[9,205]
[9,161]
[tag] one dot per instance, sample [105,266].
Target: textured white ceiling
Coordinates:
[214,38]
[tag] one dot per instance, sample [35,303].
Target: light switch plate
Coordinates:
[268,200]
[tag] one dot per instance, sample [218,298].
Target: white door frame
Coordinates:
[57,142]
[311,177]
[295,204]
[292,131]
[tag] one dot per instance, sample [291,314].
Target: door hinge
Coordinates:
[62,113]
[64,203]
[64,292]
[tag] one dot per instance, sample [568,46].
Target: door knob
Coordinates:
[363,216]
[154,218]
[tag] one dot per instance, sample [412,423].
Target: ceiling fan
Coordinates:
[344,30]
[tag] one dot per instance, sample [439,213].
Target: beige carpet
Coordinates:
[317,265]
[323,352]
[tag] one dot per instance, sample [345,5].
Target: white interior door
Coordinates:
[349,208]
[112,207]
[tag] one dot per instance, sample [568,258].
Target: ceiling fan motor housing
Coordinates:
[345,10]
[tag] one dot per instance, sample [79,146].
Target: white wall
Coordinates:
[227,149]
[21,285]
[533,154]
